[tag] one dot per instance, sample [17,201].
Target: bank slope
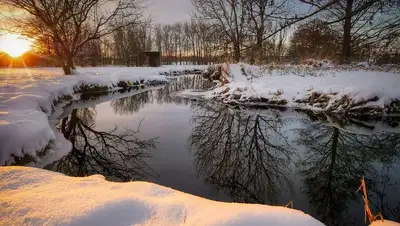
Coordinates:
[347,91]
[31,196]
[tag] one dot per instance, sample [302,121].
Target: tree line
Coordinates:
[103,32]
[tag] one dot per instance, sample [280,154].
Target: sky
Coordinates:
[161,11]
[168,11]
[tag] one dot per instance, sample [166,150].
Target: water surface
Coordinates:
[218,152]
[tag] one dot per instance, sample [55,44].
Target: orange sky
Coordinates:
[5,13]
[161,11]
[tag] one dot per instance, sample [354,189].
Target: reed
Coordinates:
[367,210]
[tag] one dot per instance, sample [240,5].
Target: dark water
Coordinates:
[225,154]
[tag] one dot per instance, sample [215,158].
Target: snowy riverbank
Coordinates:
[30,196]
[36,197]
[347,92]
[28,97]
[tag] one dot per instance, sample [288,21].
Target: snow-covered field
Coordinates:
[27,98]
[316,89]
[30,196]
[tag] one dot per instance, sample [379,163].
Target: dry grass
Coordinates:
[367,210]
[290,204]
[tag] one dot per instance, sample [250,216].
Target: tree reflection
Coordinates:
[334,162]
[131,104]
[380,194]
[244,155]
[116,154]
[134,103]
[384,192]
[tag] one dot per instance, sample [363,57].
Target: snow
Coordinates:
[293,87]
[384,223]
[27,96]
[363,64]
[31,196]
[24,125]
[319,63]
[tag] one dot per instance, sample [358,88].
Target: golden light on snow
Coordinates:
[4,122]
[14,44]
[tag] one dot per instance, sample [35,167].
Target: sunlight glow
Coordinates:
[14,45]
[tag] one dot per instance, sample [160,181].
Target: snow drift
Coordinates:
[30,196]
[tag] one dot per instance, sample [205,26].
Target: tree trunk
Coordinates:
[259,46]
[68,65]
[335,141]
[71,124]
[261,52]
[346,44]
[236,52]
[66,69]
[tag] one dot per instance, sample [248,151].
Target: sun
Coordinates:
[14,44]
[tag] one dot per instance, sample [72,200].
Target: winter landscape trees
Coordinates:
[103,32]
[315,40]
[68,25]
[261,134]
[361,24]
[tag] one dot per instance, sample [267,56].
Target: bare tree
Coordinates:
[266,21]
[130,41]
[356,22]
[316,40]
[276,47]
[177,39]
[90,54]
[166,41]
[193,41]
[189,30]
[158,37]
[230,16]
[69,25]
[262,16]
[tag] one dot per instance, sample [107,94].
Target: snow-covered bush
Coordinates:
[325,63]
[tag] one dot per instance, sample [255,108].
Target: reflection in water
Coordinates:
[235,152]
[129,105]
[333,164]
[385,148]
[333,169]
[117,154]
[249,156]
[381,200]
[269,159]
